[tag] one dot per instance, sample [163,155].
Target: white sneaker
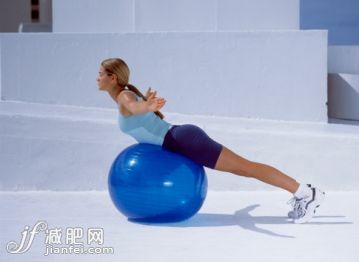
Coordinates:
[295,203]
[304,208]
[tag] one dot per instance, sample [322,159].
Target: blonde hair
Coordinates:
[119,68]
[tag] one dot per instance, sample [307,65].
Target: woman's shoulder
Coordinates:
[122,98]
[127,91]
[131,93]
[126,95]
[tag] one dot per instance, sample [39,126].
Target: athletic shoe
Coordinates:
[304,208]
[295,203]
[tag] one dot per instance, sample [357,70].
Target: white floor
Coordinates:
[231,226]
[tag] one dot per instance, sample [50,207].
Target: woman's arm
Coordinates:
[153,103]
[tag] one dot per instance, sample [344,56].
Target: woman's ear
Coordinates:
[114,78]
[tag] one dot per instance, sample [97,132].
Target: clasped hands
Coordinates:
[154,103]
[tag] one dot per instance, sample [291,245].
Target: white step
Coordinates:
[45,147]
[269,74]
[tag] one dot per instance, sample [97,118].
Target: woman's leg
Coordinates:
[231,162]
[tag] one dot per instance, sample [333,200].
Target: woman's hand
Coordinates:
[149,91]
[154,103]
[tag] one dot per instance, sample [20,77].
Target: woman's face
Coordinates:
[104,80]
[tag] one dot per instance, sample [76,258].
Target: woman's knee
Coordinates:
[247,169]
[231,162]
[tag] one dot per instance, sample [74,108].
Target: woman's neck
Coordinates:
[114,92]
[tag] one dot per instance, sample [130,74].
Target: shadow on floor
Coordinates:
[245,220]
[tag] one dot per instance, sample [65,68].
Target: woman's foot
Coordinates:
[304,208]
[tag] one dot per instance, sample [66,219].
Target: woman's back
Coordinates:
[145,128]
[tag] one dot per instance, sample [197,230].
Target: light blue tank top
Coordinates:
[145,128]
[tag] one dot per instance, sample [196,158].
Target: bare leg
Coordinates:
[228,161]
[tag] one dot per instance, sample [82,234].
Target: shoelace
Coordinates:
[298,207]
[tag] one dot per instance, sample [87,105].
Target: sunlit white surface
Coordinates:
[230,226]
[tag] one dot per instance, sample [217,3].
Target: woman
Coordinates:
[140,118]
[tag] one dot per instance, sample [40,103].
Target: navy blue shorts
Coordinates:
[193,142]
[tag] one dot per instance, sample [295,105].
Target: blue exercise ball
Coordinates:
[148,183]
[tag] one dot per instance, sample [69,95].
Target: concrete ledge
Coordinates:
[46,147]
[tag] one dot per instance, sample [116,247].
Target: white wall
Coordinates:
[343,82]
[343,59]
[173,15]
[93,16]
[258,14]
[343,96]
[271,75]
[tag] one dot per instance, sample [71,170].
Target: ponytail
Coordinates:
[134,89]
